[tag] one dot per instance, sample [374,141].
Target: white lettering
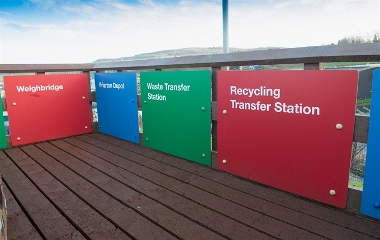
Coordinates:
[261,91]
[233,90]
[156,97]
[157,86]
[297,109]
[250,106]
[38,88]
[181,87]
[118,86]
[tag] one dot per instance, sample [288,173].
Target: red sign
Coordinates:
[44,107]
[291,130]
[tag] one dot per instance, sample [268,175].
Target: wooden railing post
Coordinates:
[214,123]
[4,102]
[91,98]
[313,66]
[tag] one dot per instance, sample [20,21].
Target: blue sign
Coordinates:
[116,95]
[371,191]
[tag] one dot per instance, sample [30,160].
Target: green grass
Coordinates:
[363,102]
[325,64]
[342,64]
[356,184]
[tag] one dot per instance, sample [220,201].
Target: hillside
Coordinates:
[179,53]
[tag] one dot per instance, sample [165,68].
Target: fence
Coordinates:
[311,57]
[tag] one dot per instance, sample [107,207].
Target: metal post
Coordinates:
[225,27]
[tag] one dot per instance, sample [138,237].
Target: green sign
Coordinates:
[177,113]
[3,137]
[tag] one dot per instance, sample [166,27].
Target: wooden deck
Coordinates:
[98,187]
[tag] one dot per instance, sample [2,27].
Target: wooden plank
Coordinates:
[95,126]
[313,66]
[50,222]
[217,201]
[195,212]
[3,212]
[89,95]
[148,207]
[9,142]
[214,83]
[353,197]
[158,172]
[365,52]
[361,128]
[4,102]
[214,97]
[93,96]
[214,159]
[120,214]
[19,226]
[316,210]
[177,182]
[305,221]
[214,111]
[139,102]
[77,211]
[24,68]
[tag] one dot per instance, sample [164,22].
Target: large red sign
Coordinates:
[292,130]
[44,107]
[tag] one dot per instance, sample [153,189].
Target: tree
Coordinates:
[376,37]
[344,41]
[360,39]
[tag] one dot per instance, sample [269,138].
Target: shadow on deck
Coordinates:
[98,187]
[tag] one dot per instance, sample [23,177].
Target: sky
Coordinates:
[82,31]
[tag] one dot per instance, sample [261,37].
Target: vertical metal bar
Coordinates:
[225,27]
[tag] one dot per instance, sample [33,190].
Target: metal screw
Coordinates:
[147,139]
[133,100]
[339,126]
[14,104]
[224,111]
[224,161]
[83,97]
[203,108]
[144,102]
[332,192]
[18,139]
[203,155]
[376,205]
[85,126]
